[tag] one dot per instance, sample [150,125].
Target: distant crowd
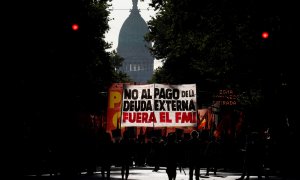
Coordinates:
[254,154]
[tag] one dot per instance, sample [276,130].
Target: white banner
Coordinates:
[159,105]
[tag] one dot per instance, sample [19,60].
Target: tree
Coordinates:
[62,73]
[218,44]
[117,61]
[62,64]
[215,44]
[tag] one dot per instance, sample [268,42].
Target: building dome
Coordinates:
[138,62]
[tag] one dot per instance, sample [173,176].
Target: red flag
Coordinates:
[203,118]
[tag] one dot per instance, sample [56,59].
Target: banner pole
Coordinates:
[153,103]
[120,121]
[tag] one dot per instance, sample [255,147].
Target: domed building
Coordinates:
[138,62]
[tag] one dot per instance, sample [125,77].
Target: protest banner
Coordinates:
[159,105]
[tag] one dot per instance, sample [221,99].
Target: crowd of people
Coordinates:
[193,151]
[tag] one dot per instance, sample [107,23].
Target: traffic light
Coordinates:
[265,35]
[265,40]
[75,27]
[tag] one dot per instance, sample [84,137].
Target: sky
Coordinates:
[119,11]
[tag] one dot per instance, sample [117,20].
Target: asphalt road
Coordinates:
[146,173]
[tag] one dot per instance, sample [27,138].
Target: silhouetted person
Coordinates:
[125,148]
[171,154]
[106,154]
[253,162]
[269,153]
[212,155]
[155,153]
[194,155]
[141,151]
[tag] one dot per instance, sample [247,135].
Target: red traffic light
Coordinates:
[265,35]
[75,27]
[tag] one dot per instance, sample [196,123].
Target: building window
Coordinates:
[135,67]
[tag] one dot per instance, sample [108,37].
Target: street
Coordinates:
[146,173]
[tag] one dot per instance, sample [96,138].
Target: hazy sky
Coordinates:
[120,10]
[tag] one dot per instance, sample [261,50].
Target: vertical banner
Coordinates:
[114,106]
[137,106]
[175,105]
[159,105]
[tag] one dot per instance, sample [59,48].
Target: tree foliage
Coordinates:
[63,75]
[215,44]
[64,66]
[117,61]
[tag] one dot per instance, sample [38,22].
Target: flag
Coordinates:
[203,118]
